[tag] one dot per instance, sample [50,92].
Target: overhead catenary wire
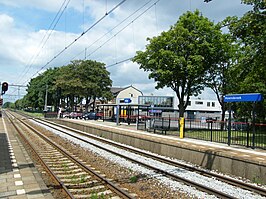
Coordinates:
[45,38]
[108,32]
[75,40]
[123,28]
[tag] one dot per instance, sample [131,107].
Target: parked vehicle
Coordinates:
[75,115]
[65,115]
[210,120]
[91,116]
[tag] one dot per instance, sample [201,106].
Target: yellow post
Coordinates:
[182,120]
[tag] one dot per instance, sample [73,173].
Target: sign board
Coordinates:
[248,97]
[127,100]
[155,111]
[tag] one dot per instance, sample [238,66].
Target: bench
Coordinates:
[162,125]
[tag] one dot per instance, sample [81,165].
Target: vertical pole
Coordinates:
[253,126]
[211,130]
[137,119]
[247,134]
[1,99]
[182,120]
[46,95]
[229,126]
[117,115]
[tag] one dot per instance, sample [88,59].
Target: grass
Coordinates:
[32,114]
[237,137]
[133,179]
[65,166]
[96,196]
[82,178]
[257,180]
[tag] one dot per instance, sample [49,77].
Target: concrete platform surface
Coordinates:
[19,179]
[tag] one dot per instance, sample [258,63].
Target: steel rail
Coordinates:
[234,182]
[59,183]
[120,192]
[166,173]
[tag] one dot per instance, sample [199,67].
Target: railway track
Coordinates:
[201,187]
[72,176]
[231,181]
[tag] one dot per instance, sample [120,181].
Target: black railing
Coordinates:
[242,134]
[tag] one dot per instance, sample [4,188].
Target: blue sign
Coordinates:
[155,111]
[248,97]
[127,100]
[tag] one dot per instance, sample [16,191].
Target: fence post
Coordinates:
[182,127]
[247,134]
[211,130]
[253,126]
[229,126]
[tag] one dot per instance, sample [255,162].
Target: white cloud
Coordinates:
[19,44]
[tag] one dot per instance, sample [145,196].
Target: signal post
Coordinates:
[3,91]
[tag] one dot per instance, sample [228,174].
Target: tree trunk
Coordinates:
[223,117]
[93,104]
[181,110]
[88,99]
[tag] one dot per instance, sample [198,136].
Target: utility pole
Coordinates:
[45,102]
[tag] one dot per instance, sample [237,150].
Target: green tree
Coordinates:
[180,57]
[36,90]
[85,78]
[250,32]
[219,77]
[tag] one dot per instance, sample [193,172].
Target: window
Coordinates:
[213,104]
[157,101]
[189,103]
[199,103]
[208,104]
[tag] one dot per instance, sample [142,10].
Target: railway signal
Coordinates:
[4,87]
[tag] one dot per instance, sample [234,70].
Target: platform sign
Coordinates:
[127,100]
[248,97]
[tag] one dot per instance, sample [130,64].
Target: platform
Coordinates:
[19,178]
[234,160]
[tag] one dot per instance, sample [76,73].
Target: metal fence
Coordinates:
[240,133]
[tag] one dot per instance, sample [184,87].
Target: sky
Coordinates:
[37,35]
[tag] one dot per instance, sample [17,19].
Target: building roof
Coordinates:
[116,90]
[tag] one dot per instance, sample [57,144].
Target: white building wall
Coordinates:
[201,104]
[131,93]
[201,108]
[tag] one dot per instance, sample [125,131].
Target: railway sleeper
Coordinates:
[81,174]
[58,162]
[99,194]
[88,190]
[76,179]
[64,167]
[68,171]
[90,183]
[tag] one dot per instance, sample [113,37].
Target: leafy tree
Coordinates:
[85,78]
[250,32]
[219,77]
[36,90]
[9,105]
[180,57]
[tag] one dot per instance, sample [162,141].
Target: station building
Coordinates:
[132,102]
